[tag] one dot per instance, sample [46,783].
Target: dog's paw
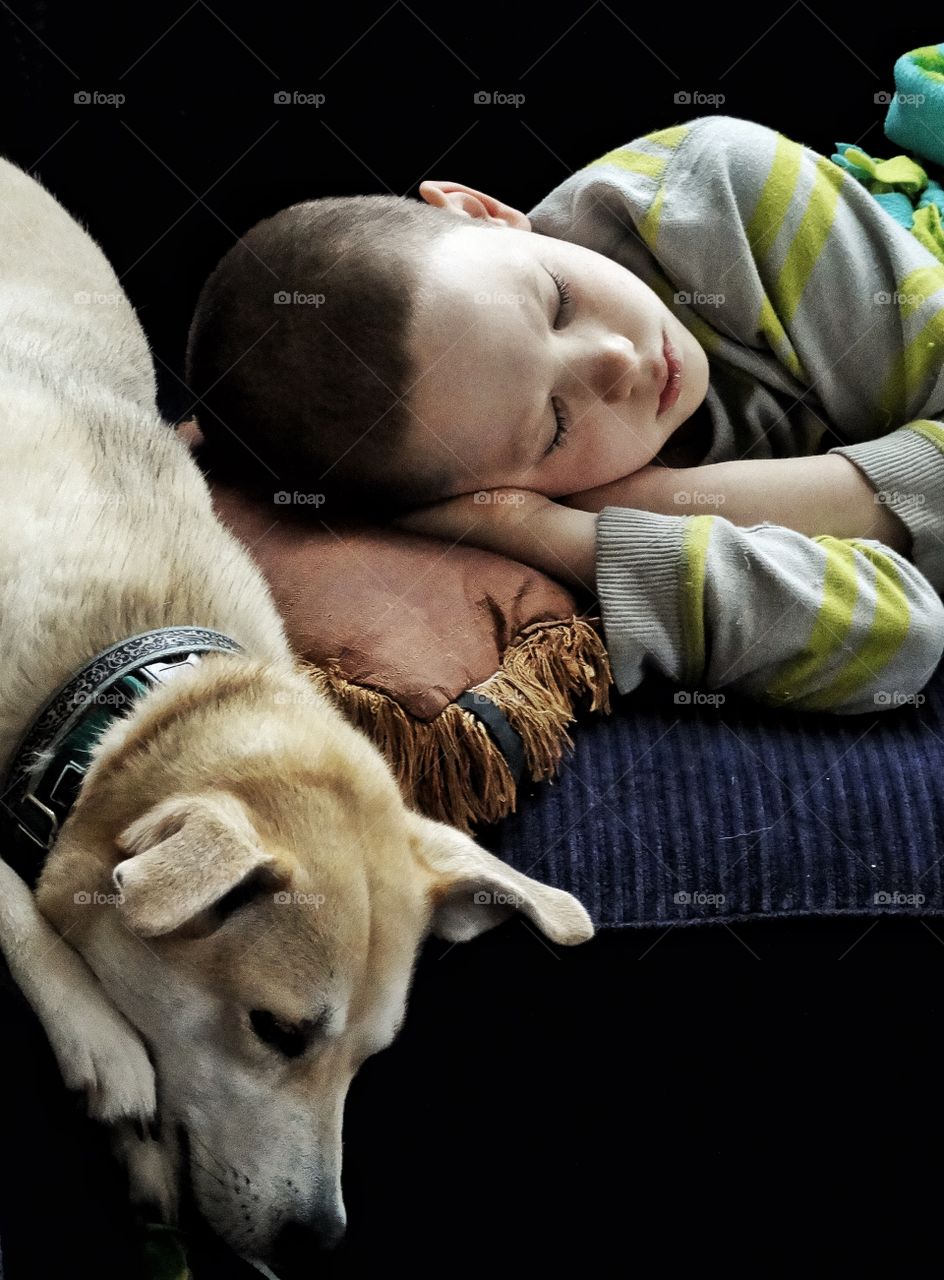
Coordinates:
[100,1054]
[152,1167]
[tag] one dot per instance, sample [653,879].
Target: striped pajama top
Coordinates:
[823,323]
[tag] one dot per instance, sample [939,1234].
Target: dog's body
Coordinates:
[237,775]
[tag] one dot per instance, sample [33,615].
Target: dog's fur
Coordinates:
[142,964]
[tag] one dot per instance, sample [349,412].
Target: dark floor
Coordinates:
[760,1099]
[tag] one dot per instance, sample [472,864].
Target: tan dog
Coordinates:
[229,918]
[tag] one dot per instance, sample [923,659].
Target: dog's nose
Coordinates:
[297,1240]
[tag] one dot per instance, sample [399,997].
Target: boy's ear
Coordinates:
[472,203]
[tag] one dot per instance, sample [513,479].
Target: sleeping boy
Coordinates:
[702,380]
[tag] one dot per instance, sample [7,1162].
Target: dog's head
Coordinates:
[252,892]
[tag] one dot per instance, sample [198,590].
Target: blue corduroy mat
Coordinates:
[673,813]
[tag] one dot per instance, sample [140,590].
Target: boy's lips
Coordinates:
[672,385]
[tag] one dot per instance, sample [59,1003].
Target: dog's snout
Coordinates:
[297,1240]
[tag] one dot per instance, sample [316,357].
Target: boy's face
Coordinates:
[499,358]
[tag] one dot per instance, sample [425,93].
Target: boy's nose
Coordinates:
[623,369]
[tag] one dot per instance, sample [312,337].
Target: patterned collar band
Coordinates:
[47,768]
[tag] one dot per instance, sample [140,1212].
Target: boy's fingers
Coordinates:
[438,519]
[474,517]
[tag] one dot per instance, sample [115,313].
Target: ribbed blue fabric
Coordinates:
[667,813]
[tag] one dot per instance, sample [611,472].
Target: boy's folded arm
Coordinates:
[811,623]
[906,470]
[819,494]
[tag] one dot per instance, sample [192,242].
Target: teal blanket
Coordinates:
[915,120]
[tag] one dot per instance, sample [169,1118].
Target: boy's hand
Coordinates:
[651,488]
[518,523]
[486,519]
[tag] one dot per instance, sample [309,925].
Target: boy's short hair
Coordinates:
[299,353]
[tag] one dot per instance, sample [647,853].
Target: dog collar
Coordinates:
[53,756]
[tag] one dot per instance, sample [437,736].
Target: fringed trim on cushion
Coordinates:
[451,768]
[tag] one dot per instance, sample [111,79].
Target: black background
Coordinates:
[199,150]
[758,1099]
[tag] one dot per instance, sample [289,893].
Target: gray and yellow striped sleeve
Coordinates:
[841,625]
[849,302]
[906,469]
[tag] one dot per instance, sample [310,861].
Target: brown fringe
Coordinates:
[450,768]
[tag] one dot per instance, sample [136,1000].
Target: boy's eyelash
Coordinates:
[562,428]
[562,425]
[563,289]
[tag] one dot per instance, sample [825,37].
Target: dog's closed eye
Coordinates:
[290,1038]
[247,890]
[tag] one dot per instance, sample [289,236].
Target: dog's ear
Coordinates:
[184,856]
[471,890]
